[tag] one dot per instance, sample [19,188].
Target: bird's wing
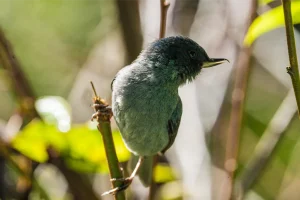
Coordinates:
[173,125]
[112,82]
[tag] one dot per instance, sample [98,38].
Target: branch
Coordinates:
[131,28]
[266,145]
[237,107]
[104,127]
[164,5]
[20,84]
[293,69]
[23,92]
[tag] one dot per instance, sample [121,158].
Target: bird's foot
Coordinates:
[126,182]
[103,111]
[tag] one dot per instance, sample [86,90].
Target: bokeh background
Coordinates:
[239,132]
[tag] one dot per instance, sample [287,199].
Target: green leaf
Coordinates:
[269,21]
[81,147]
[86,144]
[264,2]
[163,173]
[35,138]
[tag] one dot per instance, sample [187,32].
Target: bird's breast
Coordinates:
[142,111]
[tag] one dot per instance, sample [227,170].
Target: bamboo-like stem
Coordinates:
[105,129]
[293,68]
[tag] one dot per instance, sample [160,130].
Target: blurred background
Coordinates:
[239,134]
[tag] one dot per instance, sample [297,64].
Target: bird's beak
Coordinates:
[213,62]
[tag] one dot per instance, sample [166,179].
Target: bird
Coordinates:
[145,101]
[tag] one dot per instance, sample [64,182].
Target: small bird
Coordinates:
[145,101]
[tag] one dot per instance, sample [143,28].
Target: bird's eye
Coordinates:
[192,54]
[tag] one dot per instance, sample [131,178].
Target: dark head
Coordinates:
[181,57]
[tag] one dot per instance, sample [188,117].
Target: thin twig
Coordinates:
[293,68]
[235,123]
[236,114]
[266,145]
[105,129]
[21,87]
[164,5]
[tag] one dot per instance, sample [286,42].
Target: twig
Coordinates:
[104,127]
[22,90]
[293,68]
[236,114]
[131,28]
[235,123]
[164,5]
[266,145]
[21,86]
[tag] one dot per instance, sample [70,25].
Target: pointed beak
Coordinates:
[213,62]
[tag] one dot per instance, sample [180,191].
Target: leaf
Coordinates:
[269,21]
[86,143]
[81,147]
[35,138]
[264,2]
[163,173]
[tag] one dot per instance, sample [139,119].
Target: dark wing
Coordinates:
[173,125]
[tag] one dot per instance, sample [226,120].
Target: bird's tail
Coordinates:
[145,171]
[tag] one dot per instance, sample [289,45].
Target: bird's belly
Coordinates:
[145,137]
[143,124]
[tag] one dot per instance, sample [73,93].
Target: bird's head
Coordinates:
[181,57]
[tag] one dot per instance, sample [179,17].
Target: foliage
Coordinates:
[81,146]
[269,21]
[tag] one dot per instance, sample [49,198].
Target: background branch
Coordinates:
[266,145]
[164,5]
[129,18]
[237,107]
[292,70]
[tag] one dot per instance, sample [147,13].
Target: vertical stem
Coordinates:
[129,17]
[236,114]
[111,155]
[164,5]
[105,129]
[293,69]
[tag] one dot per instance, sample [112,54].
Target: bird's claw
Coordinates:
[125,184]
